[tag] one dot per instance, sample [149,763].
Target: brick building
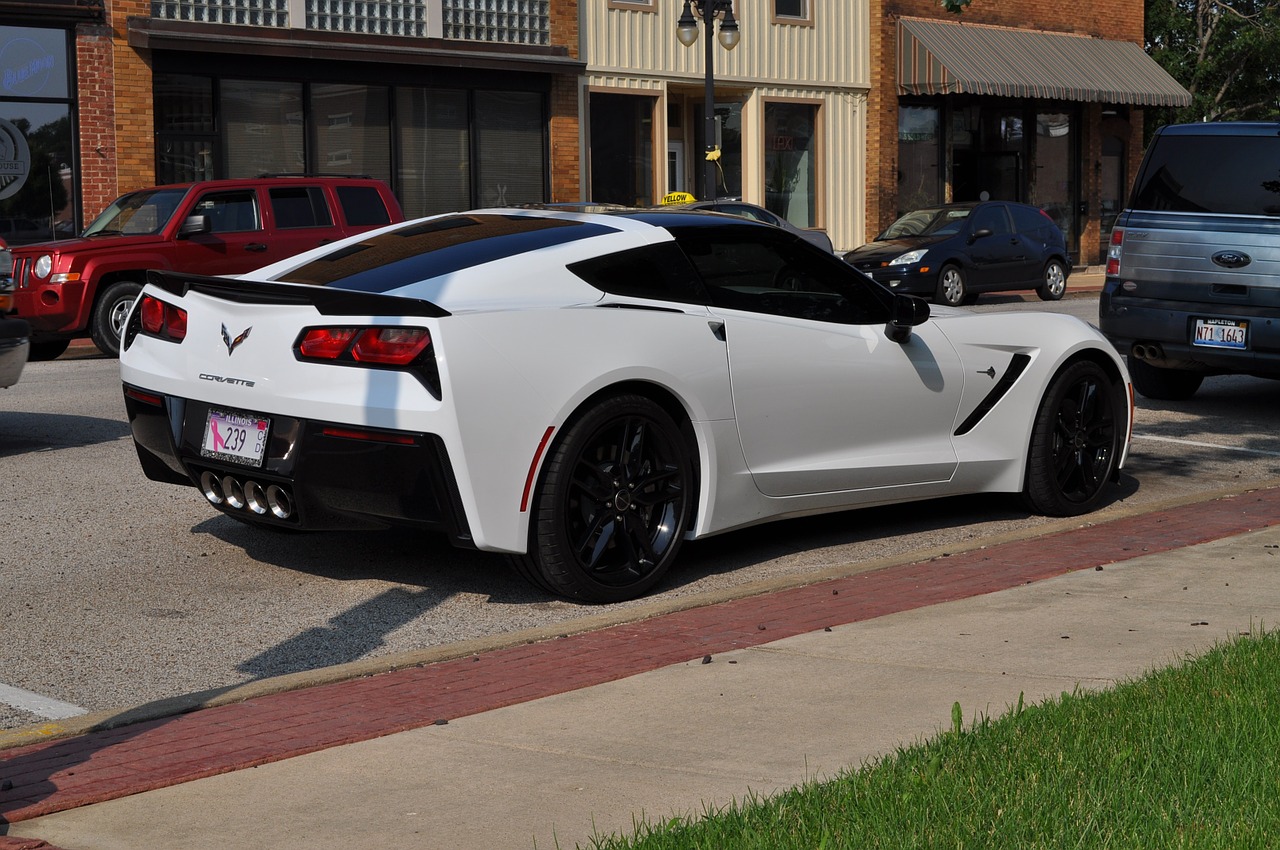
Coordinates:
[839,115]
[1025,100]
[454,103]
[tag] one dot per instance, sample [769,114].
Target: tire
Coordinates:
[612,505]
[1054,282]
[1075,441]
[109,315]
[1163,384]
[951,287]
[51,350]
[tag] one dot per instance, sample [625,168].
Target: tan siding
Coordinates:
[829,53]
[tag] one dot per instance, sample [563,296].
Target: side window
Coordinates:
[661,272]
[362,206]
[299,206]
[760,271]
[230,212]
[1028,220]
[993,217]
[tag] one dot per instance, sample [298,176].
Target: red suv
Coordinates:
[218,227]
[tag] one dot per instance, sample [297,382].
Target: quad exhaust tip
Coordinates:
[230,492]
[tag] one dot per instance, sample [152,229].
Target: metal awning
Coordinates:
[942,57]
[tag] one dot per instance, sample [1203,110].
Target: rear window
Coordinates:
[300,206]
[362,206]
[427,249]
[1236,175]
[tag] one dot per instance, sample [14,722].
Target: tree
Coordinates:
[1226,53]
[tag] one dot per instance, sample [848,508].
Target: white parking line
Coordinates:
[1206,445]
[41,706]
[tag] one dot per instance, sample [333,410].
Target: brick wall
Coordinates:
[1110,19]
[565,145]
[135,127]
[96,117]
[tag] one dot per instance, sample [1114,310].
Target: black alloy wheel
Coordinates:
[613,503]
[1075,441]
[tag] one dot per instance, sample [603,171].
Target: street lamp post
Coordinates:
[687,32]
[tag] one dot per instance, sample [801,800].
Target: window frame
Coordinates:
[805,19]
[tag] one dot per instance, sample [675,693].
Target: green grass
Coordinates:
[1187,757]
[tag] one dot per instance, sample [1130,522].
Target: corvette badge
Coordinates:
[232,343]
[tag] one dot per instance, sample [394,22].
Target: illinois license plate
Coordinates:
[1221,333]
[235,437]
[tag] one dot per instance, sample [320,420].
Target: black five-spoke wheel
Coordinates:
[1076,441]
[612,505]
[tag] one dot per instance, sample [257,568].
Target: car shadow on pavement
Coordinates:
[24,433]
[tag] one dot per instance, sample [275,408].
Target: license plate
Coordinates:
[1221,333]
[235,437]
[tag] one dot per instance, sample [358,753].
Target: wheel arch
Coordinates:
[1108,365]
[663,397]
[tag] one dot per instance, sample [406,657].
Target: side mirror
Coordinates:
[980,233]
[905,313]
[194,224]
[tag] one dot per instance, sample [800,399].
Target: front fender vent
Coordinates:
[1017,365]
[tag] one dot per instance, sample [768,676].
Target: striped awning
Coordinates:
[941,57]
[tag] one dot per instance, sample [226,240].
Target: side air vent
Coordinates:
[1016,367]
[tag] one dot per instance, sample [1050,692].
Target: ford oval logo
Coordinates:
[1232,259]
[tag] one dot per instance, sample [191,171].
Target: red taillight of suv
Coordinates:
[377,346]
[162,320]
[1114,252]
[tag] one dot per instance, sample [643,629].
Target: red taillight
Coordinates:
[384,346]
[162,320]
[1114,251]
[326,343]
[390,346]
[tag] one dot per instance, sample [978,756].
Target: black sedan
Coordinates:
[742,209]
[952,252]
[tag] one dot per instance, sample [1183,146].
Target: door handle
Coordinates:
[717,329]
[256,247]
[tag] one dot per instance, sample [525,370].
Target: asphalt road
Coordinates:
[116,591]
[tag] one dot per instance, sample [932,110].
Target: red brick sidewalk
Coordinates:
[107,764]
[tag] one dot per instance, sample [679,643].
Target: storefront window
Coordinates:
[445,149]
[37,145]
[1053,185]
[790,162]
[435,151]
[919,152]
[352,130]
[263,127]
[187,135]
[622,149]
[510,139]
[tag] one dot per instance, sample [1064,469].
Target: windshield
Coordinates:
[137,213]
[935,221]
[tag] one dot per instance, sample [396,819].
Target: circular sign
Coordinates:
[15,160]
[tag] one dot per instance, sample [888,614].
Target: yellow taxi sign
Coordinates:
[677,198]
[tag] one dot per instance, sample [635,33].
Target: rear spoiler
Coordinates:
[328,301]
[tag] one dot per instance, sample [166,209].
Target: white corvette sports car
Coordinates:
[585,391]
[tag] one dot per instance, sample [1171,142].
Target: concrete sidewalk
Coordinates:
[540,745]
